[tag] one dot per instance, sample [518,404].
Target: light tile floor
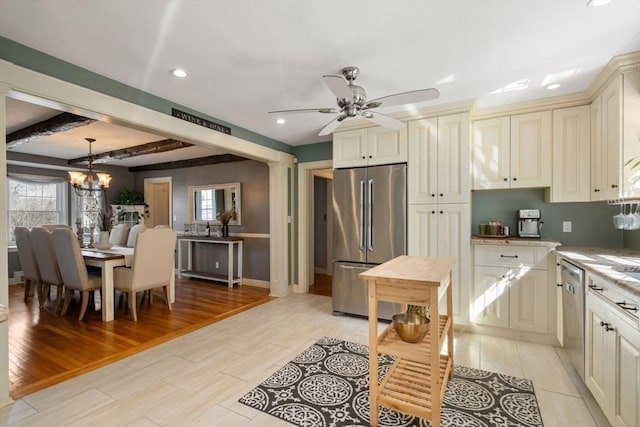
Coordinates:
[197,379]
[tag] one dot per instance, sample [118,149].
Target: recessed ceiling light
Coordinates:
[179,72]
[281,121]
[597,3]
[553,86]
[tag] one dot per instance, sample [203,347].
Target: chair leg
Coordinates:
[59,291]
[85,302]
[68,293]
[165,289]
[28,291]
[43,294]
[132,305]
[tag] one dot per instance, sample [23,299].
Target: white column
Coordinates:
[4,267]
[278,196]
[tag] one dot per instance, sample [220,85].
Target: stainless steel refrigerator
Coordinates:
[370,227]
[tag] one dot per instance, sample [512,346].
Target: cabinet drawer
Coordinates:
[511,256]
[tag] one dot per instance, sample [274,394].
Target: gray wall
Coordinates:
[253,177]
[320,222]
[592,223]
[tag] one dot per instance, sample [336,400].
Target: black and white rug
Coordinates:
[328,385]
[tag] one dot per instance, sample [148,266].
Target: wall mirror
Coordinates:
[206,201]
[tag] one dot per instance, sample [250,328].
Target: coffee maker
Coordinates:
[529,224]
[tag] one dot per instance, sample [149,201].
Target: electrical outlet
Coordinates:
[217,264]
[566,226]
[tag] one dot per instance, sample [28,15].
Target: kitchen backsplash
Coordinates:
[591,222]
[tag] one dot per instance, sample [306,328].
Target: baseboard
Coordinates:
[256,283]
[319,270]
[512,334]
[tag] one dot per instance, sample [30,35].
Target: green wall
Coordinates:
[314,152]
[592,223]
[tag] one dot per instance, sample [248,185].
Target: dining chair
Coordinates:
[50,227]
[73,269]
[48,264]
[133,233]
[161,226]
[152,267]
[28,262]
[119,235]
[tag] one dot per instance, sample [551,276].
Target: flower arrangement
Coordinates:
[226,216]
[105,219]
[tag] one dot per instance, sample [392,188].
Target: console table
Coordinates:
[229,278]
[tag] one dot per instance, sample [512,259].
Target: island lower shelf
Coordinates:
[389,342]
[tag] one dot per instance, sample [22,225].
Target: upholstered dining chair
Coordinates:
[152,267]
[73,269]
[50,227]
[48,264]
[133,233]
[28,262]
[119,235]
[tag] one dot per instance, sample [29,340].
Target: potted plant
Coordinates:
[128,197]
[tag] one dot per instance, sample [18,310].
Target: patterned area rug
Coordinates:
[328,385]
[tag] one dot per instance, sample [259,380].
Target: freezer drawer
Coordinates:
[350,293]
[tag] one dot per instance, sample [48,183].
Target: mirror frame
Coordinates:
[223,186]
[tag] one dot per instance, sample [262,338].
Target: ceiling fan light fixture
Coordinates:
[553,86]
[280,121]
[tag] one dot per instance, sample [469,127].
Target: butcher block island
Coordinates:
[416,382]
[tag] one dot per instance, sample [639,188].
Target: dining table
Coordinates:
[107,260]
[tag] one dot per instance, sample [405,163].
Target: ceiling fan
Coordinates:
[352,102]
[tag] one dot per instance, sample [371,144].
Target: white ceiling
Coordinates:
[245,58]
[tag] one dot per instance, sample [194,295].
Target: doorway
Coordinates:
[322,232]
[157,194]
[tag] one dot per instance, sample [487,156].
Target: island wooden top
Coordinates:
[412,269]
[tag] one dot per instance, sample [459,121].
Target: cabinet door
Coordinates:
[490,299]
[453,159]
[350,149]
[386,145]
[612,139]
[423,150]
[599,355]
[531,150]
[597,155]
[528,300]
[627,409]
[490,153]
[453,242]
[571,155]
[423,230]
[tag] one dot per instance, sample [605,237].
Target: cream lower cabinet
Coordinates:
[612,361]
[443,230]
[511,287]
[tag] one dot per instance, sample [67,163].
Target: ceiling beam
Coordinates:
[60,123]
[202,161]
[138,150]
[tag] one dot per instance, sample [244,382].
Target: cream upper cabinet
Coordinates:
[439,150]
[490,153]
[597,159]
[443,230]
[512,152]
[571,155]
[531,150]
[368,147]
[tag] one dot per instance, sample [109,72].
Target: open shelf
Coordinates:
[389,342]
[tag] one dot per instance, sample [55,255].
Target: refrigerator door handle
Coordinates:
[370,217]
[361,214]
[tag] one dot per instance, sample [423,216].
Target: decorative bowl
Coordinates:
[104,247]
[410,327]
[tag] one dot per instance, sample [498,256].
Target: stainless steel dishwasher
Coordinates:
[573,314]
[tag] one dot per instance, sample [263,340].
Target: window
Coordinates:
[34,201]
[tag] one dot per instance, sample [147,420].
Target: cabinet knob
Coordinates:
[441,212]
[607,326]
[515,179]
[433,212]
[364,157]
[596,288]
[508,256]
[441,194]
[614,185]
[505,179]
[627,306]
[559,285]
[433,195]
[596,190]
[371,157]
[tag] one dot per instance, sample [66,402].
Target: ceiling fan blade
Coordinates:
[332,125]
[306,110]
[411,97]
[384,120]
[338,86]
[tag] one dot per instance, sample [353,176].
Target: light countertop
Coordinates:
[604,261]
[512,240]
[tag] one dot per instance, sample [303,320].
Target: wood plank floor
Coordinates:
[321,285]
[46,348]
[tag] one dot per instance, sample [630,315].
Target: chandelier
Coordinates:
[85,184]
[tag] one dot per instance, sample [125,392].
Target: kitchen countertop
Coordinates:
[604,261]
[512,240]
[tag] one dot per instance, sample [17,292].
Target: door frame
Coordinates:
[305,221]
[161,180]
